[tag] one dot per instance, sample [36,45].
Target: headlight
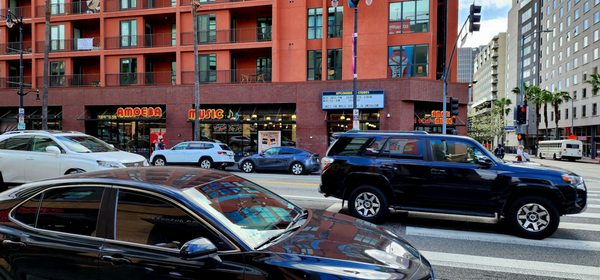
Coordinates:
[575,181]
[109,164]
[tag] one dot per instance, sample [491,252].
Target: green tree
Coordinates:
[545,97]
[484,128]
[557,98]
[595,82]
[501,110]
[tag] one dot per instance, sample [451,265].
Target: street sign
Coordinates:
[509,128]
[21,126]
[355,114]
[21,111]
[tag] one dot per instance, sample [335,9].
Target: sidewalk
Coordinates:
[513,157]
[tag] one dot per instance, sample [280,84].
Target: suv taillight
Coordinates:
[221,153]
[325,163]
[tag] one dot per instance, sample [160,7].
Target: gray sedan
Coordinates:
[296,161]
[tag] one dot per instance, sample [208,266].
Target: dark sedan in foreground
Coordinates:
[186,223]
[293,160]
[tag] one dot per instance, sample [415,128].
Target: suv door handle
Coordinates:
[15,245]
[115,260]
[437,171]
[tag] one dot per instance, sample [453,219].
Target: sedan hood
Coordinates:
[119,156]
[332,236]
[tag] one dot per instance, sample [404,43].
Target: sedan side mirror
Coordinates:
[484,161]
[203,250]
[53,150]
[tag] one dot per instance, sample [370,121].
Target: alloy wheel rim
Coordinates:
[205,164]
[247,166]
[533,217]
[367,204]
[297,169]
[159,162]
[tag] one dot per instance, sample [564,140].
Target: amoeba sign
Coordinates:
[365,99]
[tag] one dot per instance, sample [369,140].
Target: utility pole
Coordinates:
[195,5]
[46,68]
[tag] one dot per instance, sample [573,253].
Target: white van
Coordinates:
[560,149]
[27,156]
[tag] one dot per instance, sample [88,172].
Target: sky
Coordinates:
[494,14]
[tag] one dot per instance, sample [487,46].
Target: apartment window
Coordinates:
[57,7]
[263,68]
[584,93]
[574,95]
[408,61]
[596,53]
[314,65]
[408,17]
[208,67]
[558,115]
[596,37]
[315,23]
[207,28]
[594,109]
[586,24]
[263,32]
[128,33]
[334,64]
[335,22]
[585,41]
[574,112]
[128,4]
[596,17]
[583,111]
[566,114]
[128,74]
[173,35]
[57,37]
[57,73]
[586,7]
[576,14]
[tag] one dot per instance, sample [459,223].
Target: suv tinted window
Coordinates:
[41,142]
[224,147]
[375,147]
[144,219]
[17,143]
[71,210]
[348,146]
[455,151]
[403,148]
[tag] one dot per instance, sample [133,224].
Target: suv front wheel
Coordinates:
[368,203]
[533,217]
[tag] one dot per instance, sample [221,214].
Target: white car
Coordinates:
[205,154]
[27,156]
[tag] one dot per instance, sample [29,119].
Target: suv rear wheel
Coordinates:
[368,203]
[533,217]
[205,163]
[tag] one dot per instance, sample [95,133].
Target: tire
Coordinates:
[205,163]
[159,161]
[533,217]
[247,166]
[540,156]
[364,201]
[297,168]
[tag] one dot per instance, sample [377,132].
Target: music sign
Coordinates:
[365,99]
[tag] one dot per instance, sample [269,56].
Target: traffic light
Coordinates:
[474,18]
[453,106]
[522,114]
[353,4]
[521,137]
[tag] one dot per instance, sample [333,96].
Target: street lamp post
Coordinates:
[195,5]
[11,20]
[522,82]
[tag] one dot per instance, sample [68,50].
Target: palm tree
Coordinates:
[545,97]
[502,107]
[595,82]
[556,99]
[535,96]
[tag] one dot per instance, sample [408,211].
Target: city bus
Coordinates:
[560,149]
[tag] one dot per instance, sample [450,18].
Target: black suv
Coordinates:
[444,174]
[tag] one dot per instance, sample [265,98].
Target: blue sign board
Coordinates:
[365,99]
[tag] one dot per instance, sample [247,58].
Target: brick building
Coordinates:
[264,65]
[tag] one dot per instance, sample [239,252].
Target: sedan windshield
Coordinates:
[85,144]
[253,213]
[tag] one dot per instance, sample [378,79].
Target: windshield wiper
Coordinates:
[290,228]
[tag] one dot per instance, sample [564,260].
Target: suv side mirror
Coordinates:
[484,161]
[53,150]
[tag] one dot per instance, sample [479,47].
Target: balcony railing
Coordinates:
[77,80]
[140,41]
[83,44]
[14,47]
[228,76]
[139,79]
[125,5]
[226,36]
[23,11]
[13,82]
[204,2]
[63,9]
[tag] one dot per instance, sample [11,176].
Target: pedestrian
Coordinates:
[499,151]
[161,143]
[525,155]
[520,153]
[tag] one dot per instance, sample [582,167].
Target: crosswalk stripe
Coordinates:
[594,206]
[579,226]
[311,198]
[545,269]
[593,195]
[505,239]
[586,215]
[593,200]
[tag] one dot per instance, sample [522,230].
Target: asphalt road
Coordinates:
[467,250]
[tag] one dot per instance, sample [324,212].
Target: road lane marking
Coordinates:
[546,269]
[594,206]
[594,194]
[579,226]
[504,239]
[311,198]
[593,200]
[286,183]
[586,215]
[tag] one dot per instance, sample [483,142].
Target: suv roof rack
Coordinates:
[37,131]
[388,131]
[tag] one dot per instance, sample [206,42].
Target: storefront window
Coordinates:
[341,121]
[33,118]
[429,117]
[409,17]
[408,61]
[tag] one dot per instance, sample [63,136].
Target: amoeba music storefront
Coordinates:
[238,125]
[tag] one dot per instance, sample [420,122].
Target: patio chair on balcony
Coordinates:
[260,77]
[245,78]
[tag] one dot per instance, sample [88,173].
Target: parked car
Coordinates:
[27,156]
[446,175]
[186,223]
[241,141]
[294,160]
[205,154]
